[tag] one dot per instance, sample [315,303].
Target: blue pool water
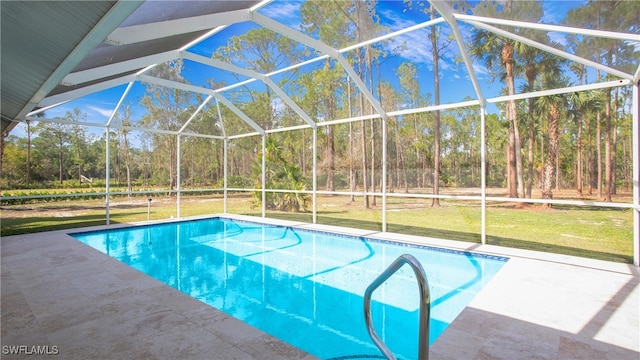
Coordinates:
[305,287]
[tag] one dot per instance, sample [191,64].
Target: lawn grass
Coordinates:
[599,233]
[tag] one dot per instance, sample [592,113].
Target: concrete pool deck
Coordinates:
[74,301]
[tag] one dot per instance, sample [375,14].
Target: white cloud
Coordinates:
[58,111]
[553,13]
[284,11]
[558,37]
[278,105]
[480,69]
[413,46]
[397,22]
[101,111]
[416,45]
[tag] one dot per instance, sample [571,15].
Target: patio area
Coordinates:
[71,299]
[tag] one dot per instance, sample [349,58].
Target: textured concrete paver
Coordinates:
[82,304]
[60,293]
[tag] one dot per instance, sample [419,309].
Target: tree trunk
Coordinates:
[515,166]
[518,153]
[607,147]
[627,144]
[373,162]
[400,163]
[60,162]
[614,155]
[28,180]
[373,128]
[363,144]
[2,136]
[173,154]
[552,151]
[599,155]
[614,143]
[118,166]
[127,163]
[392,179]
[364,159]
[557,179]
[363,138]
[579,169]
[330,159]
[417,148]
[436,133]
[511,164]
[590,158]
[531,131]
[542,155]
[352,170]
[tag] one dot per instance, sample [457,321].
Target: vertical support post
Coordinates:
[224,151]
[315,176]
[483,175]
[225,174]
[178,175]
[107,172]
[107,163]
[264,175]
[636,173]
[384,174]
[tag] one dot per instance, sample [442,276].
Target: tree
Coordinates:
[552,106]
[14,156]
[324,18]
[436,48]
[365,24]
[55,134]
[167,109]
[613,16]
[321,103]
[338,23]
[280,175]
[582,104]
[28,159]
[262,51]
[78,140]
[411,94]
[433,36]
[487,46]
[534,63]
[126,121]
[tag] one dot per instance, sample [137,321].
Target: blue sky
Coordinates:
[455,83]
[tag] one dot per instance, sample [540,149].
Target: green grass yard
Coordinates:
[599,233]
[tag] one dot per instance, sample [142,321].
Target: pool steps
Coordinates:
[425,305]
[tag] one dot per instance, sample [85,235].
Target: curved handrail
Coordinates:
[425,305]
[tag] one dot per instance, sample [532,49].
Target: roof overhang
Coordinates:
[44,41]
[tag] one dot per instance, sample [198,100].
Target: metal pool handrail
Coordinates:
[425,305]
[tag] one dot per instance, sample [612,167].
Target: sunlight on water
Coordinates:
[304,287]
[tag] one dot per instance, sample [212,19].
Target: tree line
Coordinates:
[578,140]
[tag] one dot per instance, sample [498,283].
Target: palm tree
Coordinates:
[609,15]
[535,62]
[580,104]
[552,106]
[487,46]
[279,175]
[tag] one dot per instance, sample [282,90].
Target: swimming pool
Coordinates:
[303,286]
